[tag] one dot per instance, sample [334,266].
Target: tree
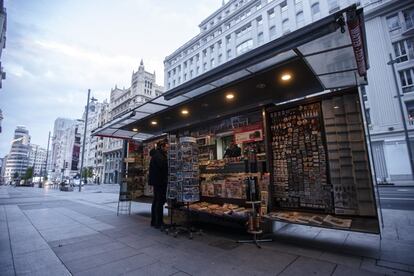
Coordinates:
[15,175]
[29,173]
[87,173]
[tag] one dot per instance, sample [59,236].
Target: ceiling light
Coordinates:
[336,107]
[260,85]
[230,96]
[185,112]
[154,123]
[135,129]
[286,77]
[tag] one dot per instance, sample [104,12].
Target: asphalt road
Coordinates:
[398,198]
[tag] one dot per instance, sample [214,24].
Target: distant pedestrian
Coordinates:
[158,178]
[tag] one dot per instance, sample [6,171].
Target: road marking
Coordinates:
[395,198]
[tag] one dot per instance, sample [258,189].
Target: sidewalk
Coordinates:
[47,232]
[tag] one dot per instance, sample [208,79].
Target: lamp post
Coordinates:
[84,137]
[398,96]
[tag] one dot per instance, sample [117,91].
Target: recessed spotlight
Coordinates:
[185,112]
[260,85]
[286,77]
[135,129]
[230,96]
[154,123]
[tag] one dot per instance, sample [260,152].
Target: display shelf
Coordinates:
[253,202]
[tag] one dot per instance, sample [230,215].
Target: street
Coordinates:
[398,198]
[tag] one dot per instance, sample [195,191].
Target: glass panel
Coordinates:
[338,80]
[272,61]
[326,42]
[199,91]
[173,101]
[150,108]
[333,61]
[229,78]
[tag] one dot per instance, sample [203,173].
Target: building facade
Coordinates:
[2,171]
[91,142]
[18,157]
[37,159]
[143,88]
[66,145]
[390,31]
[3,28]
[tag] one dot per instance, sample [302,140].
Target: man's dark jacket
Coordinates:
[158,169]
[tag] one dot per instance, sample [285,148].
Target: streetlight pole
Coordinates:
[84,138]
[399,95]
[47,156]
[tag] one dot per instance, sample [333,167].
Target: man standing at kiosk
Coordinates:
[158,178]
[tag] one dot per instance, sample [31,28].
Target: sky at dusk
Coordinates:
[57,49]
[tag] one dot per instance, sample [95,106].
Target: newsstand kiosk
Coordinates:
[276,134]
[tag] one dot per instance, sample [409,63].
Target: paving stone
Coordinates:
[90,251]
[120,267]
[89,262]
[77,245]
[30,245]
[344,259]
[309,266]
[342,270]
[58,243]
[155,269]
[37,261]
[371,265]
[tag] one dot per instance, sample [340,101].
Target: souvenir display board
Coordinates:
[183,184]
[135,178]
[321,172]
[299,159]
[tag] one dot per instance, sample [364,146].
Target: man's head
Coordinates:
[163,145]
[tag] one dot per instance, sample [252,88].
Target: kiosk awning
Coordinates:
[327,55]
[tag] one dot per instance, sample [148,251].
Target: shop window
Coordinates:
[300,19]
[244,47]
[393,22]
[406,78]
[316,12]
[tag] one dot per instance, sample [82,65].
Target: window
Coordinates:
[300,19]
[228,53]
[393,22]
[284,6]
[271,13]
[260,38]
[198,70]
[259,20]
[204,53]
[228,39]
[410,111]
[409,18]
[212,63]
[400,51]
[285,26]
[406,78]
[244,47]
[205,66]
[333,5]
[185,77]
[259,6]
[219,59]
[272,31]
[243,30]
[316,12]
